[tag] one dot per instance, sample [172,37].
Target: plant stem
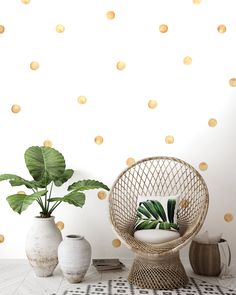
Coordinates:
[40,203]
[50,193]
[45,203]
[54,207]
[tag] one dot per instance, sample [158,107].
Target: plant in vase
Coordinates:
[48,169]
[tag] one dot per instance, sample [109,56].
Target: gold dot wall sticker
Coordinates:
[98,139]
[2,238]
[21,193]
[152,104]
[34,65]
[163,28]
[82,99]
[228,217]
[187,60]
[212,122]
[116,243]
[2,29]
[47,142]
[15,108]
[197,1]
[25,1]
[60,28]
[232,82]
[110,15]
[203,166]
[120,65]
[221,28]
[60,225]
[130,161]
[169,139]
[101,195]
[184,204]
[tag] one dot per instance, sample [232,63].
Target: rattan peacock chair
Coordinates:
[158,266]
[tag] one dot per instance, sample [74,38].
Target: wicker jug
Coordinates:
[205,259]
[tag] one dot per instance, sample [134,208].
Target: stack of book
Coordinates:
[107,264]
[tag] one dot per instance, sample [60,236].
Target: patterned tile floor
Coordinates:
[17,278]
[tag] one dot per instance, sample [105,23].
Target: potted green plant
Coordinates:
[47,167]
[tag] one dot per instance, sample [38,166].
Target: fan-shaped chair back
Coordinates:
[158,176]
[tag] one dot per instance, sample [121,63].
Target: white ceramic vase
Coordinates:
[41,246]
[74,255]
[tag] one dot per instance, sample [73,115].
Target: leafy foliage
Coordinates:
[151,214]
[48,168]
[19,202]
[83,185]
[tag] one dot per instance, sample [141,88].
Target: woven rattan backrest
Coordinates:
[158,176]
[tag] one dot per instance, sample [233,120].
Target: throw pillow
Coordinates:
[157,212]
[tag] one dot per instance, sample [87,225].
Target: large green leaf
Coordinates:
[164,225]
[159,209]
[64,177]
[16,180]
[75,198]
[20,202]
[44,163]
[88,184]
[171,209]
[146,224]
[143,211]
[150,207]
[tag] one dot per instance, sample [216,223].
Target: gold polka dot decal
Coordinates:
[228,217]
[98,139]
[130,161]
[102,195]
[2,238]
[47,143]
[197,1]
[60,28]
[187,60]
[184,204]
[120,65]
[169,139]
[82,99]
[212,122]
[25,1]
[60,225]
[152,104]
[110,15]
[221,29]
[21,193]
[2,29]
[15,108]
[203,166]
[116,243]
[34,65]
[232,82]
[163,28]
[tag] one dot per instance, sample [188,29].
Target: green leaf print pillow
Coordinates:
[157,213]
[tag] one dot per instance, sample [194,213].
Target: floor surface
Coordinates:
[17,278]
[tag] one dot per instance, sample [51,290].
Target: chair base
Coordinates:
[155,272]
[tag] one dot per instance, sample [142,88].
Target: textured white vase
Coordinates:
[41,246]
[74,255]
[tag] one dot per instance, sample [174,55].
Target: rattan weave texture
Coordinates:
[158,176]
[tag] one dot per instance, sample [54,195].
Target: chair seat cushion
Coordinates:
[156,236]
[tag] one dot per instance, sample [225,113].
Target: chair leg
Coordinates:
[158,272]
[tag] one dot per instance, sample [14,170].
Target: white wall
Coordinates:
[82,61]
